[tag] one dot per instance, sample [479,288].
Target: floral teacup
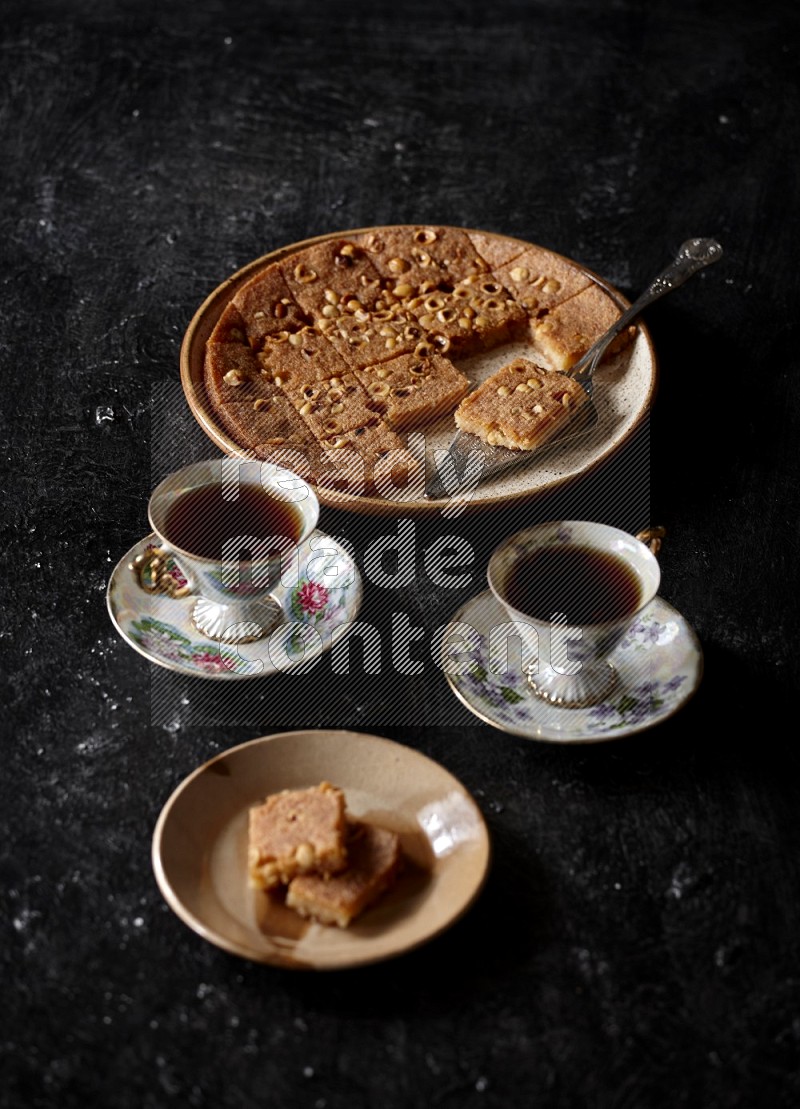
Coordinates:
[235,601]
[565,664]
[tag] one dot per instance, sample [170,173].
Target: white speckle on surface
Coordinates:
[681,879]
[228,40]
[103,414]
[617,886]
[308,1072]
[370,122]
[481,1084]
[724,119]
[22,921]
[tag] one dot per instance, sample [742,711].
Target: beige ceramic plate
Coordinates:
[623,393]
[200,848]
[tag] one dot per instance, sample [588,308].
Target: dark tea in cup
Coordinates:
[202,522]
[586,585]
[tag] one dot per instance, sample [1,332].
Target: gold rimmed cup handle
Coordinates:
[652,538]
[150,571]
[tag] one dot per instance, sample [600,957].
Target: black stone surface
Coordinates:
[637,943]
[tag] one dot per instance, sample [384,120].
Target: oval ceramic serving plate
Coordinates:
[200,848]
[623,393]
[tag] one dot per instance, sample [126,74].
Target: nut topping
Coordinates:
[304,274]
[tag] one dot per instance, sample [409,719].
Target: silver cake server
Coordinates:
[693,255]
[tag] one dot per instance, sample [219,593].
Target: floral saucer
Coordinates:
[659,665]
[320,597]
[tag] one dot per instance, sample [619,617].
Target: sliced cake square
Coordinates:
[520,406]
[267,307]
[331,274]
[366,338]
[233,373]
[293,359]
[265,421]
[365,458]
[374,859]
[410,390]
[230,327]
[478,314]
[495,250]
[295,832]
[565,334]
[409,256]
[332,406]
[539,280]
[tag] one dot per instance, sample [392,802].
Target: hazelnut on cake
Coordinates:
[373,862]
[520,406]
[297,832]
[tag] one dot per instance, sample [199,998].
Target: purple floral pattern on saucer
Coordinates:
[659,665]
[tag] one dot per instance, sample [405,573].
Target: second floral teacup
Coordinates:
[572,588]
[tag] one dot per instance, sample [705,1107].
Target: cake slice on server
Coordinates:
[521,406]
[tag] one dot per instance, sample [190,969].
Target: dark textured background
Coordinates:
[637,944]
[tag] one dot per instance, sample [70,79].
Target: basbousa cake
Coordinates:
[386,312]
[335,867]
[295,832]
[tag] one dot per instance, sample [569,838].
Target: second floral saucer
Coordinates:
[320,599]
[659,665]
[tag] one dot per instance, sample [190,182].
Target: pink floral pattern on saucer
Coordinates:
[322,603]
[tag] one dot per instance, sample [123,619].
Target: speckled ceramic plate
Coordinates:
[623,393]
[319,602]
[659,664]
[200,848]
